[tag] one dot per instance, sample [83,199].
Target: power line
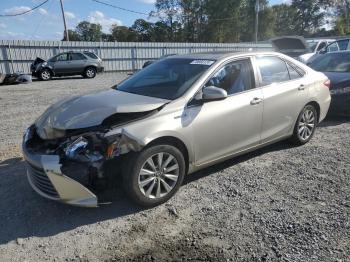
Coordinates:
[120,8]
[42,19]
[25,12]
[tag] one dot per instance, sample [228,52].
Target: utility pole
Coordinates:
[257,7]
[64,22]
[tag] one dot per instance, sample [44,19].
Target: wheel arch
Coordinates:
[173,141]
[47,68]
[88,66]
[317,107]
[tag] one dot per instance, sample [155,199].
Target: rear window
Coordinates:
[77,56]
[91,55]
[272,70]
[332,62]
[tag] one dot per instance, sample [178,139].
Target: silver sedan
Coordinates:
[177,116]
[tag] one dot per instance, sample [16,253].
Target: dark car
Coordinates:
[336,65]
[85,63]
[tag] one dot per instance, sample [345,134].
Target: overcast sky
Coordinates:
[46,23]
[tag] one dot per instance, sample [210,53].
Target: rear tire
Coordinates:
[305,125]
[90,72]
[154,175]
[45,75]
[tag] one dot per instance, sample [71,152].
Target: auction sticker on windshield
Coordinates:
[202,62]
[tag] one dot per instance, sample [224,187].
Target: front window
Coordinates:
[336,62]
[234,77]
[62,57]
[168,79]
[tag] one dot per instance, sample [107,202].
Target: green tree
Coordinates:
[194,20]
[107,37]
[284,19]
[309,16]
[168,12]
[73,36]
[144,30]
[224,21]
[89,31]
[247,18]
[123,34]
[342,12]
[161,32]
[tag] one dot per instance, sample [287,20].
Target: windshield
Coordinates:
[332,62]
[312,45]
[168,79]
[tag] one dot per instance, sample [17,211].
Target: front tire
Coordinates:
[154,175]
[305,126]
[45,75]
[90,72]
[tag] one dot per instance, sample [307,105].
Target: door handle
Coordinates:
[301,87]
[256,101]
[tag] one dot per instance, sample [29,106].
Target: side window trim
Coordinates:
[286,62]
[296,68]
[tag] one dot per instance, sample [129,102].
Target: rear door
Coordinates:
[77,63]
[285,93]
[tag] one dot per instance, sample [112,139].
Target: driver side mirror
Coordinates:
[213,93]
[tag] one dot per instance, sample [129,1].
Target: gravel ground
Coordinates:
[280,203]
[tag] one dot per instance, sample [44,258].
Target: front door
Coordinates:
[61,64]
[222,128]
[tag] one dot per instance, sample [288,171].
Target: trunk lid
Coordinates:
[293,46]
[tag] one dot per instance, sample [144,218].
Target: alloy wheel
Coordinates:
[306,124]
[45,75]
[158,175]
[90,73]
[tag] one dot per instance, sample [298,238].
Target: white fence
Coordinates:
[16,55]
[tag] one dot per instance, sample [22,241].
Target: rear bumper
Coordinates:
[45,177]
[340,105]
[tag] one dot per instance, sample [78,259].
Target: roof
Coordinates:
[221,55]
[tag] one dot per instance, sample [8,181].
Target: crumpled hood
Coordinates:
[90,110]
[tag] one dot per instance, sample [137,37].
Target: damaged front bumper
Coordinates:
[46,178]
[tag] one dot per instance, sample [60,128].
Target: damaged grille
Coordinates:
[42,182]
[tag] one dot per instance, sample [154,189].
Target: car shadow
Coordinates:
[60,78]
[332,120]
[23,213]
[26,214]
[237,160]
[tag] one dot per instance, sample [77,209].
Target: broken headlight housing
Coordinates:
[78,146]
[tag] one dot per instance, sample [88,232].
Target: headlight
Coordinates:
[339,91]
[76,147]
[26,134]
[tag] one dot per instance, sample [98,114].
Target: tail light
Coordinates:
[327,83]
